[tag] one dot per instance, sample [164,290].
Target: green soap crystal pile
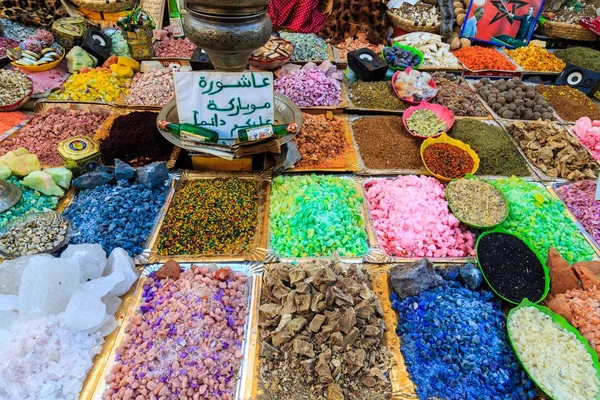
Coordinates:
[31,201]
[316,215]
[541,220]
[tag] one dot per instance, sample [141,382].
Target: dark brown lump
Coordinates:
[457,95]
[135,139]
[384,144]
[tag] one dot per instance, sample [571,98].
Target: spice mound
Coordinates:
[311,346]
[322,141]
[457,95]
[307,46]
[211,216]
[153,88]
[15,87]
[411,218]
[425,123]
[511,268]
[185,339]
[553,357]
[37,234]
[42,134]
[311,86]
[374,96]
[498,155]
[314,215]
[553,150]
[476,202]
[384,144]
[94,85]
[580,198]
[569,103]
[536,58]
[541,220]
[477,58]
[513,99]
[455,346]
[448,160]
[135,139]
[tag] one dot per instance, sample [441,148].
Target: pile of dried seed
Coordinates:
[553,150]
[448,160]
[321,327]
[15,86]
[457,95]
[383,144]
[374,96]
[570,104]
[38,234]
[476,202]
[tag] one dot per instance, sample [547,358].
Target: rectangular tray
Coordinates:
[351,108]
[258,251]
[251,269]
[273,257]
[142,258]
[349,163]
[323,109]
[402,387]
[378,256]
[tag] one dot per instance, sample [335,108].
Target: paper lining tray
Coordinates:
[251,269]
[504,123]
[553,189]
[349,163]
[378,256]
[258,250]
[402,387]
[351,108]
[143,257]
[272,257]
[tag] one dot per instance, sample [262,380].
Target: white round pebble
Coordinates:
[42,359]
[554,357]
[153,88]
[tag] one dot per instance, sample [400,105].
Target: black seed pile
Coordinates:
[511,268]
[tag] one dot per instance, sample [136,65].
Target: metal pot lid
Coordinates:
[10,194]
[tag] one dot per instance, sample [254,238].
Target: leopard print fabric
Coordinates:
[349,17]
[32,12]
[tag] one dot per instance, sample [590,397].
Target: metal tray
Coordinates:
[272,256]
[252,270]
[371,111]
[378,256]
[258,251]
[346,162]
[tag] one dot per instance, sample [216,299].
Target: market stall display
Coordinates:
[16,90]
[477,58]
[310,346]
[374,96]
[456,94]
[541,220]
[581,56]
[442,329]
[95,85]
[312,86]
[44,82]
[580,199]
[383,144]
[307,46]
[413,86]
[498,155]
[34,233]
[44,131]
[513,99]
[588,132]
[476,203]
[427,120]
[153,88]
[411,218]
[342,49]
[31,201]
[447,158]
[174,48]
[315,215]
[436,53]
[535,58]
[553,150]
[570,104]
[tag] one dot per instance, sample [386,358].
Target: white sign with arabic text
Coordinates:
[225,101]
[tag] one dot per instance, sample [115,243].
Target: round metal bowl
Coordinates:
[10,194]
[286,112]
[33,217]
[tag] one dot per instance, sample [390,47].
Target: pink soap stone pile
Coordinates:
[42,134]
[186,340]
[311,85]
[411,218]
[588,132]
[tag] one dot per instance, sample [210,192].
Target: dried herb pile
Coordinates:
[570,104]
[374,96]
[581,56]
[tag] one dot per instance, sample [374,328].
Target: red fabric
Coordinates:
[297,15]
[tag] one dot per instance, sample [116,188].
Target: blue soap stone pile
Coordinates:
[116,215]
[455,346]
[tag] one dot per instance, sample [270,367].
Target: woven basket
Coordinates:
[410,26]
[107,6]
[567,31]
